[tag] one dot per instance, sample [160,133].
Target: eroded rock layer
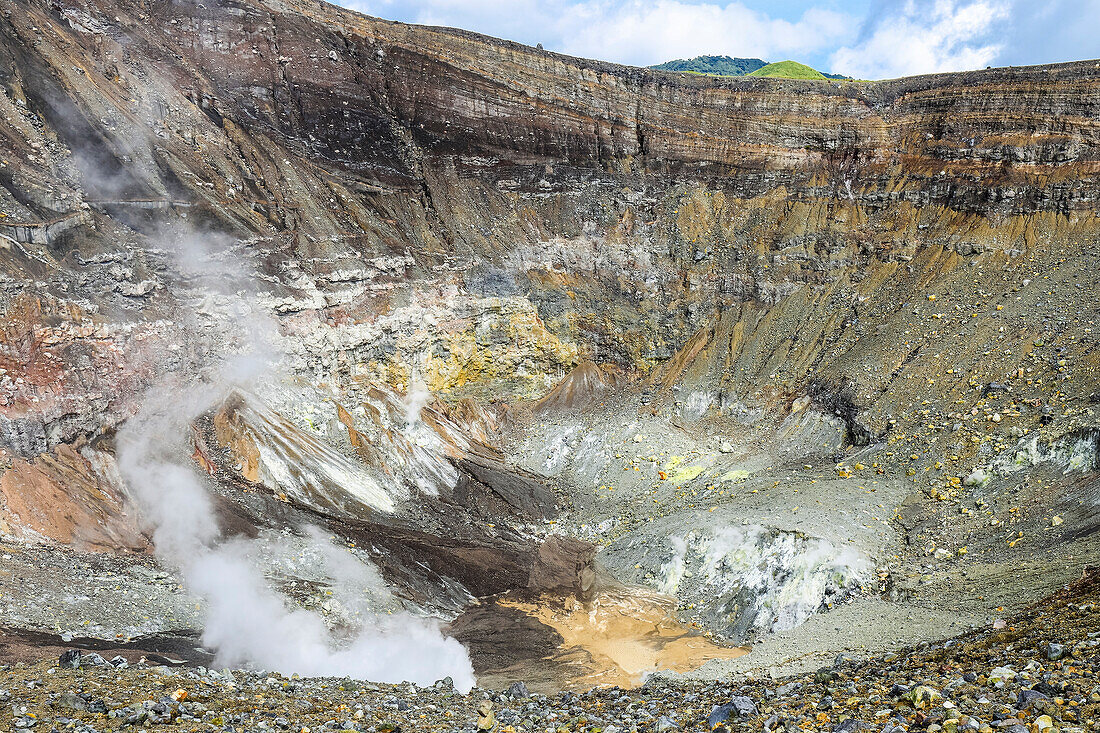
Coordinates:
[846,283]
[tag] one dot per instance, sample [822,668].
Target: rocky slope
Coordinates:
[846,332]
[1036,672]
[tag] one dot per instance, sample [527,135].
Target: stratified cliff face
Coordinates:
[915,261]
[628,206]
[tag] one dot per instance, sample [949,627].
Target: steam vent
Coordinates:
[363,376]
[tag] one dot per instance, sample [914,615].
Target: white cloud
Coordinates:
[631,31]
[926,36]
[889,38]
[642,33]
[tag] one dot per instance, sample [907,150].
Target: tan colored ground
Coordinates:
[625,635]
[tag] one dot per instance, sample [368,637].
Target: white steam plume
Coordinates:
[247,622]
[417,396]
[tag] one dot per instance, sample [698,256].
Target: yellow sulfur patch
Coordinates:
[686,474]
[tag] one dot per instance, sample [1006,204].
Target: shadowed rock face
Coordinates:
[628,206]
[822,266]
[613,211]
[374,98]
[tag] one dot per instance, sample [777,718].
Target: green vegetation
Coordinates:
[717,65]
[731,66]
[788,70]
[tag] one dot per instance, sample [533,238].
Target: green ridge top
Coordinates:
[788,70]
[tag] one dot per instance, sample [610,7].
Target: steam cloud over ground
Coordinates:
[247,622]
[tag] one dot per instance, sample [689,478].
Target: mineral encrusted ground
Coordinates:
[1033,673]
[863,313]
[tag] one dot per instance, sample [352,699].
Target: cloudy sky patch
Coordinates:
[869,39]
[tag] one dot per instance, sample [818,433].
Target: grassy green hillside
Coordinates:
[788,70]
[733,66]
[720,65]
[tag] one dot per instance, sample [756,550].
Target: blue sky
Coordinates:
[870,39]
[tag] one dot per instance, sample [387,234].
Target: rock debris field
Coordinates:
[613,371]
[1035,672]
